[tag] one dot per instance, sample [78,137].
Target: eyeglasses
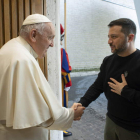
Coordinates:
[49,37]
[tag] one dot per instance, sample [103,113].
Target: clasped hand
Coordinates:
[117,87]
[78,111]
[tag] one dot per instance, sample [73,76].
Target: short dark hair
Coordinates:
[128,26]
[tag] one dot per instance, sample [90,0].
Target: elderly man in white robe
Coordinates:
[27,104]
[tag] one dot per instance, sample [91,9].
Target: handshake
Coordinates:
[78,111]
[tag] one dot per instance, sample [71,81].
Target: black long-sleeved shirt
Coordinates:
[124,110]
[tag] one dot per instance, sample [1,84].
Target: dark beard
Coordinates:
[120,50]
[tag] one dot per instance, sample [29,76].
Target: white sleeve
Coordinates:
[62,123]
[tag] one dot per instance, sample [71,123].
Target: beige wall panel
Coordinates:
[32,6]
[7,29]
[20,13]
[27,8]
[39,6]
[1,24]
[14,18]
[44,8]
[45,67]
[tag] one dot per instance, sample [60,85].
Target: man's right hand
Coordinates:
[78,111]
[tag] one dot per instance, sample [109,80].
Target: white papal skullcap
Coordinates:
[35,18]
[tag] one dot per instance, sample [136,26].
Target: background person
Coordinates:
[66,79]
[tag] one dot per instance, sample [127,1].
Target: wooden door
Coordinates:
[12,14]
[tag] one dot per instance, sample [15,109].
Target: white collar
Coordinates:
[27,46]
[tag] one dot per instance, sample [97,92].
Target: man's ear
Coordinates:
[33,35]
[131,37]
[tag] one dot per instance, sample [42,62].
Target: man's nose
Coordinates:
[52,44]
[109,41]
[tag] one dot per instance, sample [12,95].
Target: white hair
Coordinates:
[25,29]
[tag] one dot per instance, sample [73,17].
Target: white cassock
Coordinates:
[27,104]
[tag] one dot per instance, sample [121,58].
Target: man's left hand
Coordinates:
[116,86]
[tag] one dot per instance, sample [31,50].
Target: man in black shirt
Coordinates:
[119,79]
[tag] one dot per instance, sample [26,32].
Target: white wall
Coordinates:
[87,29]
[53,58]
[137,6]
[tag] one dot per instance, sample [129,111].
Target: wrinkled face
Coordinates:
[117,40]
[43,42]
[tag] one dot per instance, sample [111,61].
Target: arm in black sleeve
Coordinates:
[131,95]
[95,89]
[92,94]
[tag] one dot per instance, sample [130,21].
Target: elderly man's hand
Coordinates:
[116,86]
[75,105]
[78,110]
